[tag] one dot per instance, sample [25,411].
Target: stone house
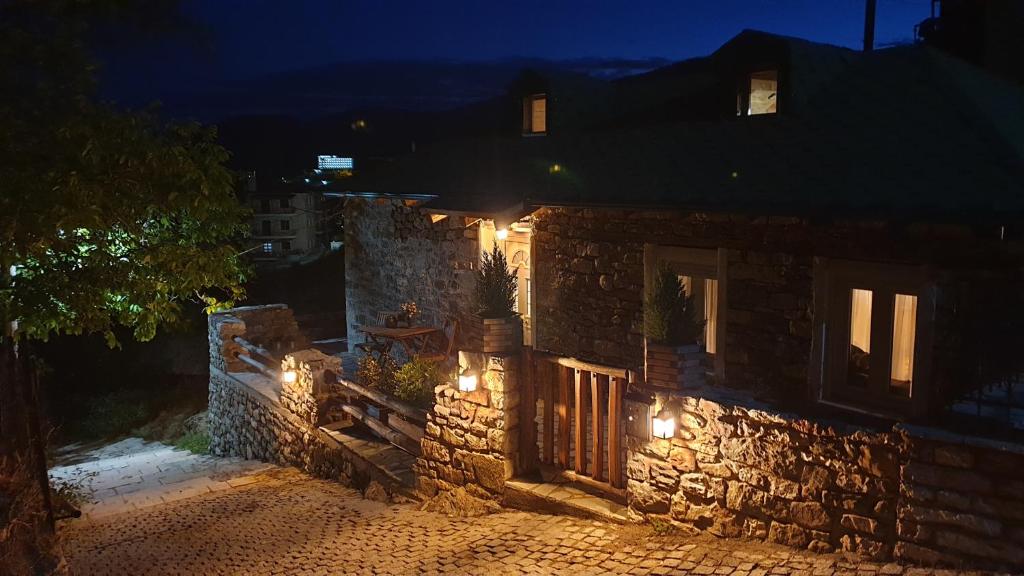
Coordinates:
[850,224]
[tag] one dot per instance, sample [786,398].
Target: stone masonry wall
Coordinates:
[246,415]
[737,469]
[472,438]
[589,275]
[394,253]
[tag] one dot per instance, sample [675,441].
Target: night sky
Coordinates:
[242,39]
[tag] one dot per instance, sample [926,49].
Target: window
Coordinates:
[264,205]
[265,227]
[759,94]
[268,247]
[700,271]
[285,203]
[869,330]
[535,114]
[286,245]
[286,225]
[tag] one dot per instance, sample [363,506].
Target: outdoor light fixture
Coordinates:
[664,425]
[467,381]
[289,376]
[502,234]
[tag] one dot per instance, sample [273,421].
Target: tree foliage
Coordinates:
[109,217]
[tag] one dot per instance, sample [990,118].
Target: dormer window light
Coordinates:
[535,114]
[761,94]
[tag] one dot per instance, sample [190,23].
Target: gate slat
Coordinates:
[597,441]
[615,392]
[582,405]
[549,412]
[564,377]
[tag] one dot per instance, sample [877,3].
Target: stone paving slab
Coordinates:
[289,523]
[133,474]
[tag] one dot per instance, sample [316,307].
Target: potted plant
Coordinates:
[674,357]
[495,304]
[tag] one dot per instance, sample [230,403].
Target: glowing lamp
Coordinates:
[289,376]
[555,168]
[664,425]
[467,382]
[502,234]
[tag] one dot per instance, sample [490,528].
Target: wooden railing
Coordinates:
[581,429]
[393,420]
[251,350]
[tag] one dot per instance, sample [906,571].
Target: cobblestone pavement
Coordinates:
[289,523]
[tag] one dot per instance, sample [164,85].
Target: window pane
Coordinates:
[710,314]
[539,114]
[763,89]
[904,326]
[859,365]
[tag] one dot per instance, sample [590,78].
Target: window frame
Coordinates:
[285,225]
[833,280]
[704,262]
[527,124]
[744,87]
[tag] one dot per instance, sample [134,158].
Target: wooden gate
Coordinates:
[576,412]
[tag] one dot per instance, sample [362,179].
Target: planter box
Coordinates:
[674,367]
[502,335]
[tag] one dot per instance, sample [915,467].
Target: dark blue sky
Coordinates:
[246,38]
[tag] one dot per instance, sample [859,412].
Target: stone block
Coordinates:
[810,515]
[645,498]
[861,524]
[954,456]
[914,553]
[788,535]
[989,548]
[755,528]
[943,477]
[970,522]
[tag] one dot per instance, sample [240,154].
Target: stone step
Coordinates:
[561,499]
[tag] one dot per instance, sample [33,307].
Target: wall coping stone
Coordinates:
[737,398]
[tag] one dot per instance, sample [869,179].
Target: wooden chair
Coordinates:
[447,349]
[368,347]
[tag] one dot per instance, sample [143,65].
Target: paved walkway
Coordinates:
[133,474]
[289,523]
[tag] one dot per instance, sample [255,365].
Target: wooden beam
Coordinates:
[410,412]
[381,429]
[528,414]
[582,405]
[597,430]
[263,368]
[254,349]
[588,366]
[615,391]
[565,375]
[549,413]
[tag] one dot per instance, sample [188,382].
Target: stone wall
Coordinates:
[738,469]
[394,254]
[472,438]
[254,417]
[589,272]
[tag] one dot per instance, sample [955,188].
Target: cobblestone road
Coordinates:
[289,523]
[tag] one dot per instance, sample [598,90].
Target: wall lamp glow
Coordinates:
[663,425]
[467,381]
[289,376]
[502,234]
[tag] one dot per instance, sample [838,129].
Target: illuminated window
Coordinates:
[535,114]
[870,337]
[761,94]
[268,247]
[285,225]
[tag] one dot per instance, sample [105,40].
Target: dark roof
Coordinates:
[900,131]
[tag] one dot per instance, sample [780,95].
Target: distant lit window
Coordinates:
[334,163]
[285,203]
[286,225]
[268,247]
[535,114]
[762,93]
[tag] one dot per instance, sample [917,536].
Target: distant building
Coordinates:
[285,221]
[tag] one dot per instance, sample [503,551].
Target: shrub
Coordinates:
[668,311]
[415,382]
[194,442]
[376,373]
[495,286]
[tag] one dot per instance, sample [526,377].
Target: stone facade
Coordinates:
[395,253]
[738,469]
[472,438]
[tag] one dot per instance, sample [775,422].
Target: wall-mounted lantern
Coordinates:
[501,234]
[663,425]
[289,376]
[467,381]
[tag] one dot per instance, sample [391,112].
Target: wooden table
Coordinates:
[414,340]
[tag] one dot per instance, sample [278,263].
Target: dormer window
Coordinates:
[760,95]
[535,114]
